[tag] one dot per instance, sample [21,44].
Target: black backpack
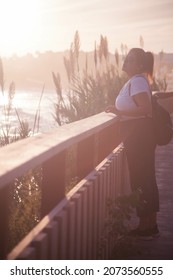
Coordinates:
[162,123]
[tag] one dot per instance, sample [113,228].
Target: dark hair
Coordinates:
[149,63]
[145,59]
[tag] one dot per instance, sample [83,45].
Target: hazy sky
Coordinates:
[40,25]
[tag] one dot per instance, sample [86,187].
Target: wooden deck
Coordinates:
[161,248]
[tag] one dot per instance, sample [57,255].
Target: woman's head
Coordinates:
[138,61]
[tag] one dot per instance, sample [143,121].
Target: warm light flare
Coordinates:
[19,22]
[43,25]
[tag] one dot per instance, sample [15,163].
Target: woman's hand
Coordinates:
[112,109]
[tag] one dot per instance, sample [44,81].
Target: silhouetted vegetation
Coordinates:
[90,90]
[24,192]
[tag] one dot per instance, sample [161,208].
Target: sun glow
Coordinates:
[43,25]
[19,22]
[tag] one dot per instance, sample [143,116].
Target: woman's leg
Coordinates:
[140,150]
[153,220]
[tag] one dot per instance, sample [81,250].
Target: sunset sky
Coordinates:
[41,25]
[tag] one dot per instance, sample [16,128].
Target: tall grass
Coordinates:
[89,90]
[25,192]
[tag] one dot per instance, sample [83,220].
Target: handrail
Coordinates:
[163,95]
[20,156]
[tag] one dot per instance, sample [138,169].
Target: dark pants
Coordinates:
[139,144]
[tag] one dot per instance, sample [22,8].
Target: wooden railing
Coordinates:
[94,138]
[75,228]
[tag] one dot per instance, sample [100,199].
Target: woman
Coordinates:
[133,105]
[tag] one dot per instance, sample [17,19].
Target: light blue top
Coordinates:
[124,100]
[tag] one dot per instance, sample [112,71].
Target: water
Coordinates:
[27,104]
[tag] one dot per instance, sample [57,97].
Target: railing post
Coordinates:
[53,184]
[4,217]
[85,156]
[108,139]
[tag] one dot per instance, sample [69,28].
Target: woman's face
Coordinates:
[131,64]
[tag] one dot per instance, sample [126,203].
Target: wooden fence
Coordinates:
[72,224]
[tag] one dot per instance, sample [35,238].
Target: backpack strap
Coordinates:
[142,76]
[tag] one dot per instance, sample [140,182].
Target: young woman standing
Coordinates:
[133,105]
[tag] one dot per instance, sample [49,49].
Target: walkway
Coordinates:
[161,248]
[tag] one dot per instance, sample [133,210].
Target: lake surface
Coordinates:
[26,103]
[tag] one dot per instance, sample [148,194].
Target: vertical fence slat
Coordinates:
[112,181]
[28,254]
[107,197]
[100,212]
[40,243]
[52,232]
[78,225]
[71,230]
[84,209]
[89,186]
[62,219]
[95,215]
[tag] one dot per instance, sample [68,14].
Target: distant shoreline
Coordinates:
[30,71]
